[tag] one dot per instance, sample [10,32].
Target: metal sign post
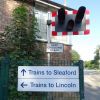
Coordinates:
[48,36]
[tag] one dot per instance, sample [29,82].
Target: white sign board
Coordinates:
[54,47]
[48,79]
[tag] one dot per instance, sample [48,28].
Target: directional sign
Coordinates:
[51,85]
[23,71]
[54,47]
[48,79]
[23,85]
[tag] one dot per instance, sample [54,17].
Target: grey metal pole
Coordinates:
[48,41]
[48,36]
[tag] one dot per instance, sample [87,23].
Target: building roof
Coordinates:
[54,3]
[46,2]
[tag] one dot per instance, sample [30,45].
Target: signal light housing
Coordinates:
[69,22]
[70,25]
[61,16]
[80,15]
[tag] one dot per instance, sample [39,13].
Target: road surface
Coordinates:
[92,85]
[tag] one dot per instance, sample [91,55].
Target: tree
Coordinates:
[94,64]
[21,37]
[21,34]
[89,64]
[75,55]
[97,57]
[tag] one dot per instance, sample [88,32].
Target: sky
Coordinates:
[86,45]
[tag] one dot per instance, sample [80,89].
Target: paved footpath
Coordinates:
[92,85]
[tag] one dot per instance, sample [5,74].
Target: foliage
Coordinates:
[89,64]
[94,64]
[75,55]
[97,57]
[21,36]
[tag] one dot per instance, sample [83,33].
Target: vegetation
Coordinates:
[75,56]
[94,64]
[97,57]
[20,37]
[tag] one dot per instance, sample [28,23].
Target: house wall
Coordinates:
[6,8]
[64,57]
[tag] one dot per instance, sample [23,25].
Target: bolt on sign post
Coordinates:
[73,22]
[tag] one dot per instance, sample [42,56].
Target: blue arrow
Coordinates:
[23,85]
[23,71]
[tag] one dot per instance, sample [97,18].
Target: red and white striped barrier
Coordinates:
[53,24]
